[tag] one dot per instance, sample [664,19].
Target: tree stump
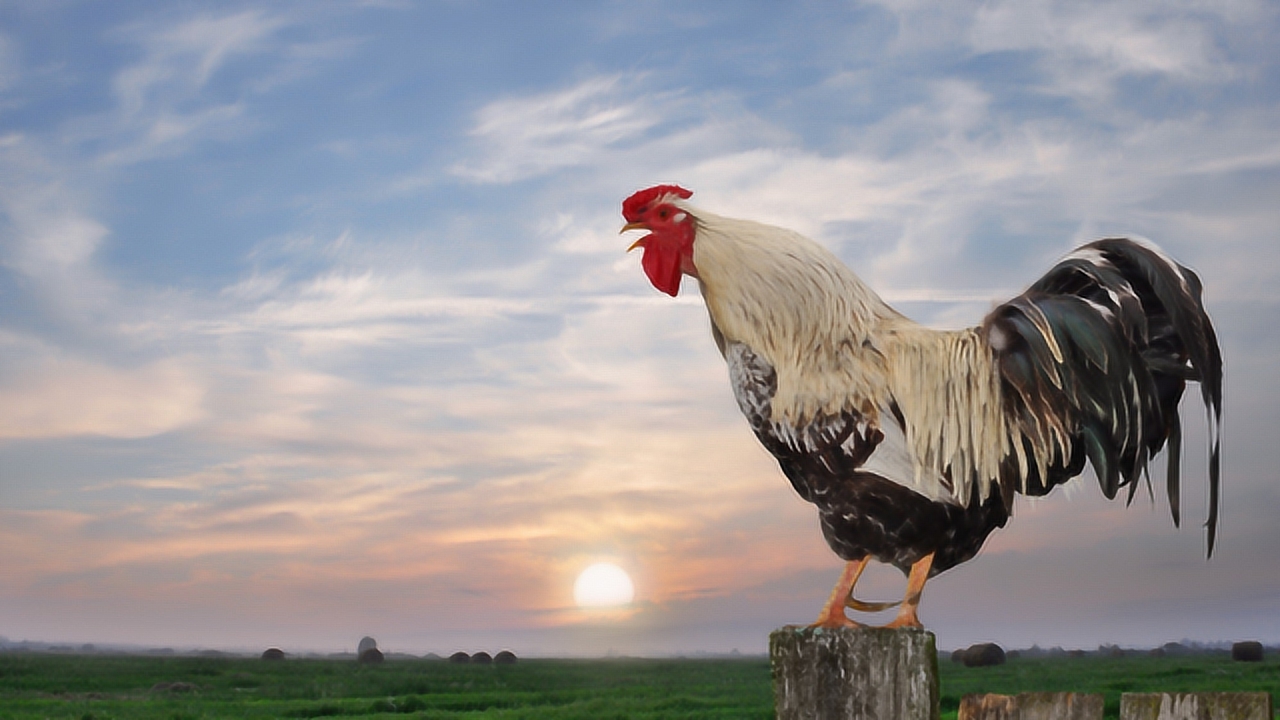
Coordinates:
[1196,706]
[1031,706]
[863,673]
[988,707]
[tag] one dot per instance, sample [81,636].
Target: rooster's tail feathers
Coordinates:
[1094,358]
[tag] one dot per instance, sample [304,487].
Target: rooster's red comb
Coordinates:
[632,206]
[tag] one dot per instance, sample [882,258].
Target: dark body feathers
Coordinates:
[862,513]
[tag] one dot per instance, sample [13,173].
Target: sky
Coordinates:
[315,322]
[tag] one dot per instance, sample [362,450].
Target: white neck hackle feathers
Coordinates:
[835,346]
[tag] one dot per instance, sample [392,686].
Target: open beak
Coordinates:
[635,226]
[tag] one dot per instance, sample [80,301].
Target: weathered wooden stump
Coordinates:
[988,706]
[1196,706]
[1031,706]
[863,673]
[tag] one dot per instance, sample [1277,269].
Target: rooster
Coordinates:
[912,442]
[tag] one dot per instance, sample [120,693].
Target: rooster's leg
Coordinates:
[832,615]
[915,585]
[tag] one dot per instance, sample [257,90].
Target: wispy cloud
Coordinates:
[165,98]
[48,231]
[49,394]
[525,137]
[1114,40]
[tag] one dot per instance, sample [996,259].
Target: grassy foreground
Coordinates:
[176,688]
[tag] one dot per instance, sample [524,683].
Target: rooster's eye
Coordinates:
[663,214]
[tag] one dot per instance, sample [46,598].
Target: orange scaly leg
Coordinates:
[832,615]
[915,586]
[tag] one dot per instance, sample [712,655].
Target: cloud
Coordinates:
[530,136]
[180,59]
[1086,52]
[48,232]
[197,77]
[47,393]
[1115,40]
[166,97]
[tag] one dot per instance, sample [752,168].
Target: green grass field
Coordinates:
[36,685]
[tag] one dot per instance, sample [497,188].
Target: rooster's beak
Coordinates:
[635,226]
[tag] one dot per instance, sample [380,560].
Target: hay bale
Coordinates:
[482,658]
[506,657]
[273,654]
[371,656]
[1247,651]
[460,658]
[366,643]
[983,655]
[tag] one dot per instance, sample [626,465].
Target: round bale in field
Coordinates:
[372,656]
[366,643]
[1247,651]
[506,657]
[482,658]
[983,655]
[273,654]
[460,658]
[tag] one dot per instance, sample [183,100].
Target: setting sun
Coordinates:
[603,585]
